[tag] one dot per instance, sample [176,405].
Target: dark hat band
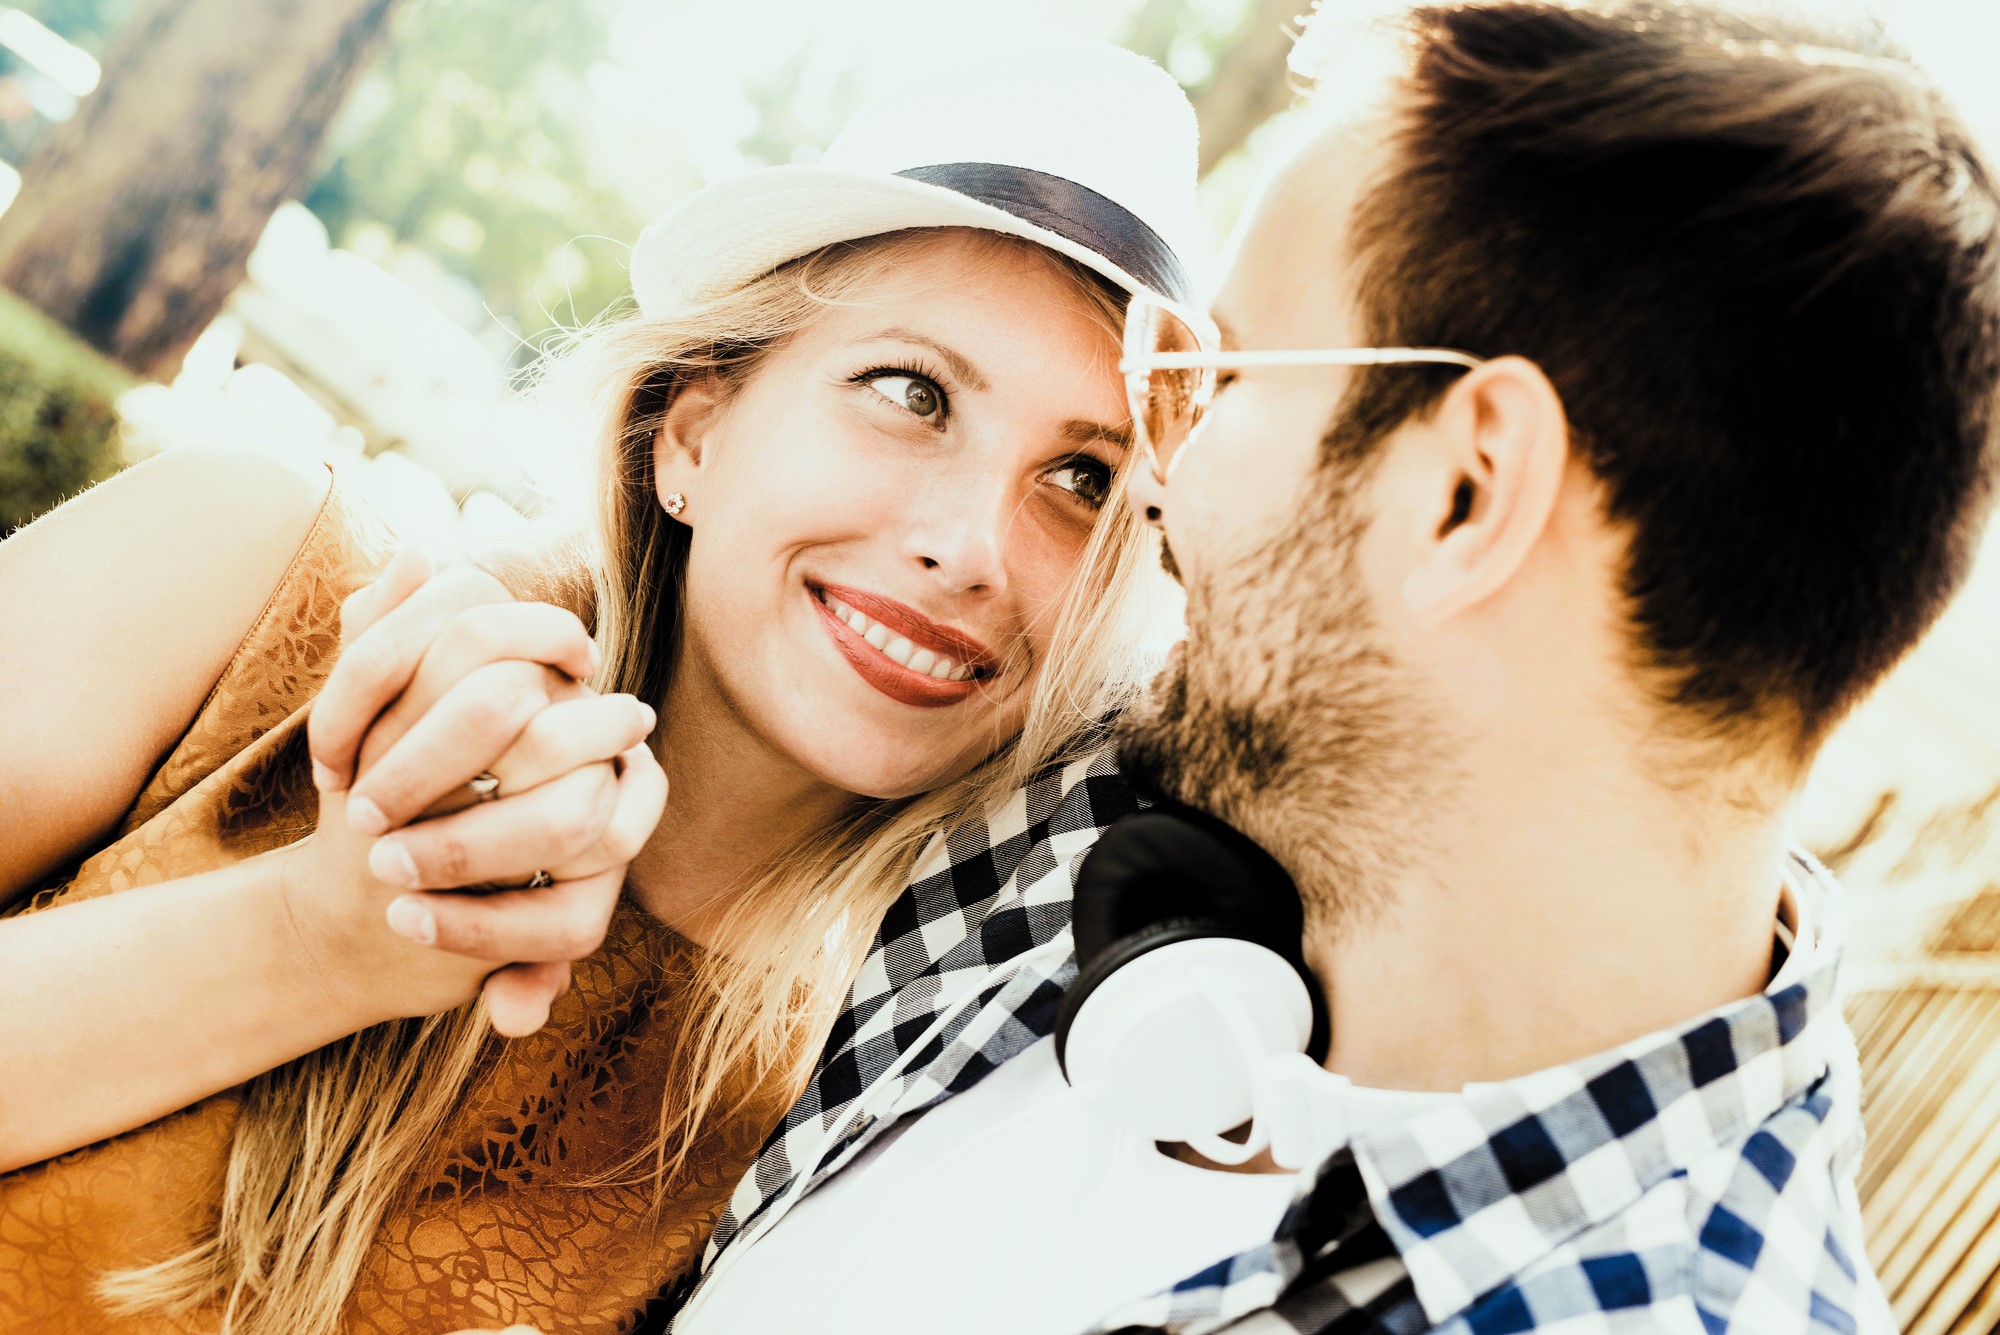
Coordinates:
[1074,212]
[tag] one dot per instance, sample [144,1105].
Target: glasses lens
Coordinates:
[1166,402]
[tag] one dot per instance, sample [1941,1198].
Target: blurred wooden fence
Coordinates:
[1905,806]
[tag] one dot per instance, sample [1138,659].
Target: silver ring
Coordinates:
[484,786]
[540,880]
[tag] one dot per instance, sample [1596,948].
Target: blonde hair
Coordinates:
[325,1143]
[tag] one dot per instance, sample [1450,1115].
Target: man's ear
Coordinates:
[1504,442]
[681,445]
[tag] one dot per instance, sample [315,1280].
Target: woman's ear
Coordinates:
[682,443]
[1503,444]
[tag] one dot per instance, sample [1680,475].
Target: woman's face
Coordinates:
[885,515]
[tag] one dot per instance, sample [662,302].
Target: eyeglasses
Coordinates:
[1172,355]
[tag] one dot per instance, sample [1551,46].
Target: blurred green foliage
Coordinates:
[85,22]
[58,421]
[466,141]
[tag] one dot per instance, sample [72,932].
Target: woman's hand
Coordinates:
[441,680]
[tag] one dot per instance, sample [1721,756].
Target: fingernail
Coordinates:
[364,817]
[324,778]
[408,917]
[391,862]
[646,713]
[596,659]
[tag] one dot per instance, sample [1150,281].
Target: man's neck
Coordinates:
[1552,915]
[732,802]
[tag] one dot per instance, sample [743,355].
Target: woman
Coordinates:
[861,555]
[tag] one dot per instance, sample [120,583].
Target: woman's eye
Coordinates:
[1089,480]
[914,393]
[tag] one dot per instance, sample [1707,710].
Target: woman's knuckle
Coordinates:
[625,838]
[387,787]
[618,845]
[484,711]
[603,786]
[474,936]
[469,585]
[472,637]
[577,827]
[447,858]
[352,607]
[523,674]
[575,834]
[370,660]
[575,939]
[496,705]
[539,747]
[528,699]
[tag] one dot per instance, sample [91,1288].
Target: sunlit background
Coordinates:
[476,190]
[463,194]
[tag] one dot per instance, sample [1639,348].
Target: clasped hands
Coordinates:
[411,897]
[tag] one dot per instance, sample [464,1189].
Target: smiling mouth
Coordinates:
[899,649]
[900,652]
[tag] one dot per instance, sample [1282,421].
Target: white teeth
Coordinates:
[927,662]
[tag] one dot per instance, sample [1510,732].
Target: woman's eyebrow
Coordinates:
[960,367]
[1085,433]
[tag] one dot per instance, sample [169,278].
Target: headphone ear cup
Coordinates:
[1190,975]
[1168,1045]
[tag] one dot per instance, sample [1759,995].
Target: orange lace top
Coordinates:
[489,1232]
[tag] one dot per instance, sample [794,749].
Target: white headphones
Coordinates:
[1193,1010]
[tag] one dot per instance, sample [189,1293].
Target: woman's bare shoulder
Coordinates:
[122,608]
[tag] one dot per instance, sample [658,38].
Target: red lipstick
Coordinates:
[915,627]
[900,683]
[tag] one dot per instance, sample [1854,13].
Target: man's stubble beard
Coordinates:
[1283,715]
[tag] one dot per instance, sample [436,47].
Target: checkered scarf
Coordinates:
[995,890]
[1697,1180]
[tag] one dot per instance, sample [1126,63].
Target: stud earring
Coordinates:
[676,503]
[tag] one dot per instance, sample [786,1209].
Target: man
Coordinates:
[1517,669]
[1513,651]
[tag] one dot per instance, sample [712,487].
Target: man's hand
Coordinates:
[442,679]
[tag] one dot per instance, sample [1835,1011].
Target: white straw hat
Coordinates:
[1089,150]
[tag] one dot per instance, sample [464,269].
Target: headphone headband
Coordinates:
[1172,873]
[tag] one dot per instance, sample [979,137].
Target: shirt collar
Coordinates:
[1475,1191]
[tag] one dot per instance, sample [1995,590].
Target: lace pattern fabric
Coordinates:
[495,1228]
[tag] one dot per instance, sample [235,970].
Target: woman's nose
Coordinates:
[965,543]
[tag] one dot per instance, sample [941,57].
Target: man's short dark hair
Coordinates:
[1759,263]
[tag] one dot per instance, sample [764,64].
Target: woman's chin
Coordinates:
[890,784]
[868,768]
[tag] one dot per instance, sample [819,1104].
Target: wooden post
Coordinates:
[136,220]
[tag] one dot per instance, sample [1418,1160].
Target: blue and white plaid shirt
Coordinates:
[1699,1180]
